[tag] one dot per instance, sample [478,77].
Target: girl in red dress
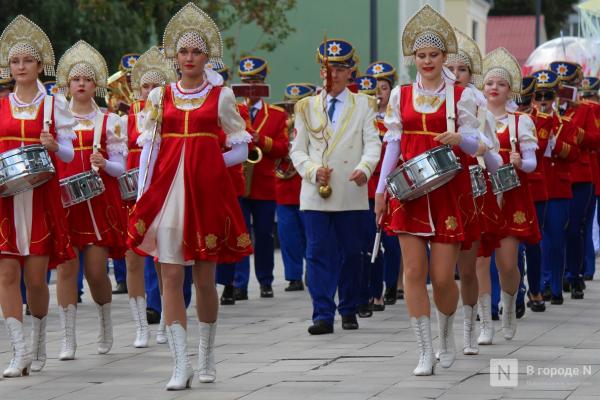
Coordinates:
[151,70]
[417,122]
[518,142]
[467,67]
[34,226]
[187,212]
[97,224]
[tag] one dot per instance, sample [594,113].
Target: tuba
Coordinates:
[284,168]
[120,96]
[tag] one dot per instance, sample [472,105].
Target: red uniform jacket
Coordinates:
[271,125]
[537,182]
[565,152]
[374,180]
[594,161]
[288,190]
[583,118]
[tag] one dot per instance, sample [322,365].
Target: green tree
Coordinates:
[555,12]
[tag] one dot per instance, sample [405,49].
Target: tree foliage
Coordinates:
[117,27]
[555,12]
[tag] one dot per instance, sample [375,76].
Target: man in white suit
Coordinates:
[336,147]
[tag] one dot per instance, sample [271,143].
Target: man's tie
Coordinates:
[331,110]
[253,112]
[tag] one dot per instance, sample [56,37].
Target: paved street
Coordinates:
[264,352]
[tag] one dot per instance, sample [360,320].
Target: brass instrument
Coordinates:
[120,96]
[255,155]
[289,171]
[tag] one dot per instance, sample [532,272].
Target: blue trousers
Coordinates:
[521,264]
[554,244]
[80,277]
[533,253]
[152,288]
[580,212]
[391,260]
[495,295]
[333,261]
[590,253]
[120,270]
[262,214]
[292,239]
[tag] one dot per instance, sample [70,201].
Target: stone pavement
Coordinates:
[264,352]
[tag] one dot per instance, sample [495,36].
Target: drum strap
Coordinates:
[512,131]
[481,117]
[48,102]
[450,114]
[98,125]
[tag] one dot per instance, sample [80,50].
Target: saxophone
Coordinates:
[289,171]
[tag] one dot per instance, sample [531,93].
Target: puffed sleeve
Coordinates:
[488,131]
[393,119]
[64,122]
[468,124]
[116,139]
[149,120]
[527,135]
[232,123]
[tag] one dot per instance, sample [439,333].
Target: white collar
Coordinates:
[258,105]
[341,98]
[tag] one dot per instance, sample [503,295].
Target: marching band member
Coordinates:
[581,211]
[560,150]
[335,150]
[258,204]
[386,77]
[151,70]
[418,120]
[518,142]
[96,225]
[466,65]
[290,220]
[173,221]
[35,226]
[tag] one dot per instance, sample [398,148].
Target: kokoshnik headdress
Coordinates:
[82,60]
[151,67]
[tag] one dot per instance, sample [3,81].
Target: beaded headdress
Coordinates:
[427,28]
[500,63]
[82,60]
[151,67]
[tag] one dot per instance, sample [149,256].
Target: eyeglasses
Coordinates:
[540,96]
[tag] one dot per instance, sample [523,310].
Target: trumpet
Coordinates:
[255,155]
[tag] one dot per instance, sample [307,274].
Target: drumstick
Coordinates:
[377,243]
[96,148]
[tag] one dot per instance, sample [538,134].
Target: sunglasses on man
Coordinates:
[544,96]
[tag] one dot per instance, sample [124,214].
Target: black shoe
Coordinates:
[240,294]
[566,286]
[400,294]
[495,317]
[547,294]
[152,316]
[349,322]
[27,310]
[556,300]
[320,327]
[588,277]
[577,290]
[378,307]
[228,295]
[538,306]
[266,291]
[583,285]
[390,296]
[79,301]
[364,311]
[520,310]
[121,288]
[295,286]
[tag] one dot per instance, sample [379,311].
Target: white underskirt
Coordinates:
[22,212]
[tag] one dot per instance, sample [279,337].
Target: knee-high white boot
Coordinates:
[422,329]
[21,357]
[470,346]
[138,312]
[509,317]
[105,336]
[182,369]
[447,353]
[38,343]
[161,333]
[486,335]
[207,371]
[68,317]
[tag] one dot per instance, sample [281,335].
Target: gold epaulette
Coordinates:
[272,107]
[301,105]
[542,114]
[564,118]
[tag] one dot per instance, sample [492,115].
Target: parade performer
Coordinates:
[96,225]
[172,219]
[336,149]
[417,121]
[34,224]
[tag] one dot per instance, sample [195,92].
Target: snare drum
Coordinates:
[477,181]
[24,168]
[505,179]
[81,187]
[128,184]
[423,173]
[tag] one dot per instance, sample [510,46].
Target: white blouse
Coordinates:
[526,131]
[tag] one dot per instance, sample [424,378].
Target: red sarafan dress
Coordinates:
[190,210]
[444,214]
[98,221]
[34,222]
[133,132]
[517,204]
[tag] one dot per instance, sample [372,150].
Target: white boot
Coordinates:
[207,371]
[105,336]
[509,317]
[485,316]
[447,353]
[67,316]
[422,328]
[38,343]
[138,312]
[182,370]
[161,333]
[470,346]
[21,359]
